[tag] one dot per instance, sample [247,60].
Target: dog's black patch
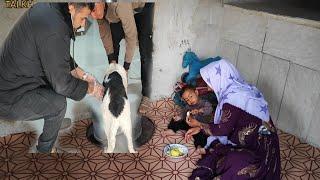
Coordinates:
[116,92]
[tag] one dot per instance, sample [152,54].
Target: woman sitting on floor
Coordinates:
[244,143]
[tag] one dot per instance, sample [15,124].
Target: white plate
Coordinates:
[183,148]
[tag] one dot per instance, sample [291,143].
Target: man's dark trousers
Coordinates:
[37,104]
[144,23]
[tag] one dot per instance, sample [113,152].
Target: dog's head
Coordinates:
[114,67]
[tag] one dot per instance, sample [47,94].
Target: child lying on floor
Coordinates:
[201,111]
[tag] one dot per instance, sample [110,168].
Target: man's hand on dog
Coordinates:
[96,89]
[89,78]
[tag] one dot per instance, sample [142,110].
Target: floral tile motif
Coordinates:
[298,160]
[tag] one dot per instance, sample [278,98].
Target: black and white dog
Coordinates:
[116,106]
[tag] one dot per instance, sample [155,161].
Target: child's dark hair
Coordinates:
[186,88]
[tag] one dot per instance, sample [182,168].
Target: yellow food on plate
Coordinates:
[175,152]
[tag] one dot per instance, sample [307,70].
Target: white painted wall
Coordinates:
[178,25]
[279,54]
[284,65]
[8,17]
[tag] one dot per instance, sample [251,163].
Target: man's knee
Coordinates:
[59,103]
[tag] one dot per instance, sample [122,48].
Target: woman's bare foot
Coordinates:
[167,132]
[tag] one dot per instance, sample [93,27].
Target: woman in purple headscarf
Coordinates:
[243,140]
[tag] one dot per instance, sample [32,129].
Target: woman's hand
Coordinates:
[192,122]
[196,111]
[191,132]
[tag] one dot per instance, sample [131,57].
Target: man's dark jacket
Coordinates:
[36,54]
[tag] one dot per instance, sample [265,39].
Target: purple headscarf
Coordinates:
[230,87]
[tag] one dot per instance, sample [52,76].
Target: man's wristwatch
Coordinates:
[84,76]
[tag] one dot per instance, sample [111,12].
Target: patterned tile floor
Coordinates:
[299,160]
